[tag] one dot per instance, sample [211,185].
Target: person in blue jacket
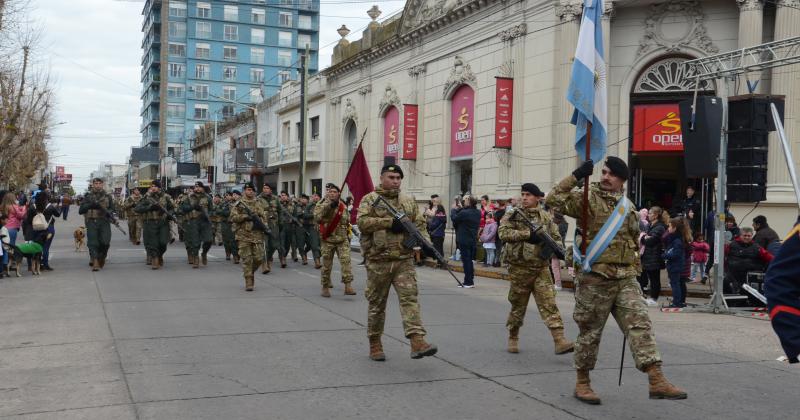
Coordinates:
[678,237]
[782,289]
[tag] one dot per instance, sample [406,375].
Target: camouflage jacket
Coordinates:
[621,258]
[378,242]
[323,214]
[515,233]
[213,213]
[196,206]
[241,219]
[285,214]
[272,204]
[102,198]
[222,211]
[145,206]
[129,205]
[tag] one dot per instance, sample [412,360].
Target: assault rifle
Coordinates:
[538,230]
[258,224]
[415,238]
[171,217]
[111,217]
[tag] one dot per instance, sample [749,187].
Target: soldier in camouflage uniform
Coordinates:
[610,287]
[134,220]
[285,213]
[272,241]
[195,209]
[216,220]
[390,263]
[223,213]
[334,224]
[312,230]
[96,207]
[300,234]
[250,239]
[156,224]
[528,260]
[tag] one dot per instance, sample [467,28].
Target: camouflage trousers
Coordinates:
[381,276]
[524,282]
[217,232]
[228,238]
[134,228]
[252,255]
[595,298]
[328,250]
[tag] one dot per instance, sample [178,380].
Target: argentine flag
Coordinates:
[587,88]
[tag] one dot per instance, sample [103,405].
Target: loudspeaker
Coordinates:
[745,157]
[747,175]
[701,142]
[747,193]
[753,112]
[738,139]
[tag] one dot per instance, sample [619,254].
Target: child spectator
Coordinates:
[700,251]
[487,238]
[675,243]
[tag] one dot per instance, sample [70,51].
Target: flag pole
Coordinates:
[585,215]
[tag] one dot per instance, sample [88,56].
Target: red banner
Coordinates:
[657,128]
[504,112]
[391,123]
[462,121]
[358,180]
[410,119]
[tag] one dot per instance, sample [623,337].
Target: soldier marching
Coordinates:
[97,207]
[134,220]
[156,209]
[334,225]
[246,214]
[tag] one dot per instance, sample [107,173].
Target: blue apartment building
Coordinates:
[207,60]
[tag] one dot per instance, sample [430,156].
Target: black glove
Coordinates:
[397,226]
[198,207]
[534,238]
[584,170]
[334,204]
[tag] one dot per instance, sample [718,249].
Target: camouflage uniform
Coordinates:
[98,227]
[216,222]
[528,272]
[312,230]
[179,218]
[272,241]
[611,286]
[134,220]
[196,210]
[250,240]
[156,232]
[299,231]
[223,213]
[389,263]
[337,242]
[288,227]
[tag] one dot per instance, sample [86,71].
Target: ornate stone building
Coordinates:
[431,74]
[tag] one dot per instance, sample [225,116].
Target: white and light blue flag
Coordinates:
[587,87]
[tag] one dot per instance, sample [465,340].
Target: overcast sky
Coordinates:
[93,48]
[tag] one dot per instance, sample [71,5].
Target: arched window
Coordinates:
[667,76]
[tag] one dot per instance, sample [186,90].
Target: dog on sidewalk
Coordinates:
[31,250]
[80,238]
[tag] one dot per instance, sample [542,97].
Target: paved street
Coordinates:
[132,343]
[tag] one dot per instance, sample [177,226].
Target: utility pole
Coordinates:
[303,118]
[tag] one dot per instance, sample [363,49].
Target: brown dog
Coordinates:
[80,238]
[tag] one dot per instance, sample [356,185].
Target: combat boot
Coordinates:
[419,348]
[583,389]
[195,261]
[660,388]
[348,289]
[249,282]
[236,258]
[317,265]
[283,262]
[149,260]
[265,268]
[101,262]
[325,292]
[227,256]
[189,258]
[95,264]
[513,340]
[376,349]
[562,345]
[161,261]
[205,258]
[305,260]
[154,263]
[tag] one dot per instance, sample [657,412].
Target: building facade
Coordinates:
[431,87]
[207,60]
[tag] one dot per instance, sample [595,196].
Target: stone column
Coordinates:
[751,22]
[569,12]
[785,82]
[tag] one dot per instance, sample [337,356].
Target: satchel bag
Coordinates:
[39,222]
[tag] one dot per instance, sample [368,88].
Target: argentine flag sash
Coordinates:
[603,238]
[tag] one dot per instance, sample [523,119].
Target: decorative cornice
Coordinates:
[390,98]
[569,11]
[416,70]
[749,5]
[513,32]
[792,4]
[365,90]
[695,35]
[349,111]
[336,101]
[459,75]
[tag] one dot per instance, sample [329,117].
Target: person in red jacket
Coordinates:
[742,256]
[700,250]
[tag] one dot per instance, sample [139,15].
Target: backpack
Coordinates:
[39,222]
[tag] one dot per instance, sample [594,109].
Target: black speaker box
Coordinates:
[749,156]
[747,175]
[701,142]
[753,112]
[747,139]
[747,193]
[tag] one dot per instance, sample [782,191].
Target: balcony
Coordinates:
[287,155]
[150,80]
[150,21]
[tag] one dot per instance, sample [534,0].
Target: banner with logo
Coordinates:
[391,125]
[462,117]
[657,128]
[410,120]
[504,112]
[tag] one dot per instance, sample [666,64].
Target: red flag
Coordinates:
[358,180]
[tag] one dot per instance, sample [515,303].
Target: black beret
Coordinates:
[532,189]
[304,196]
[199,184]
[618,167]
[331,185]
[156,183]
[392,168]
[237,192]
[249,185]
